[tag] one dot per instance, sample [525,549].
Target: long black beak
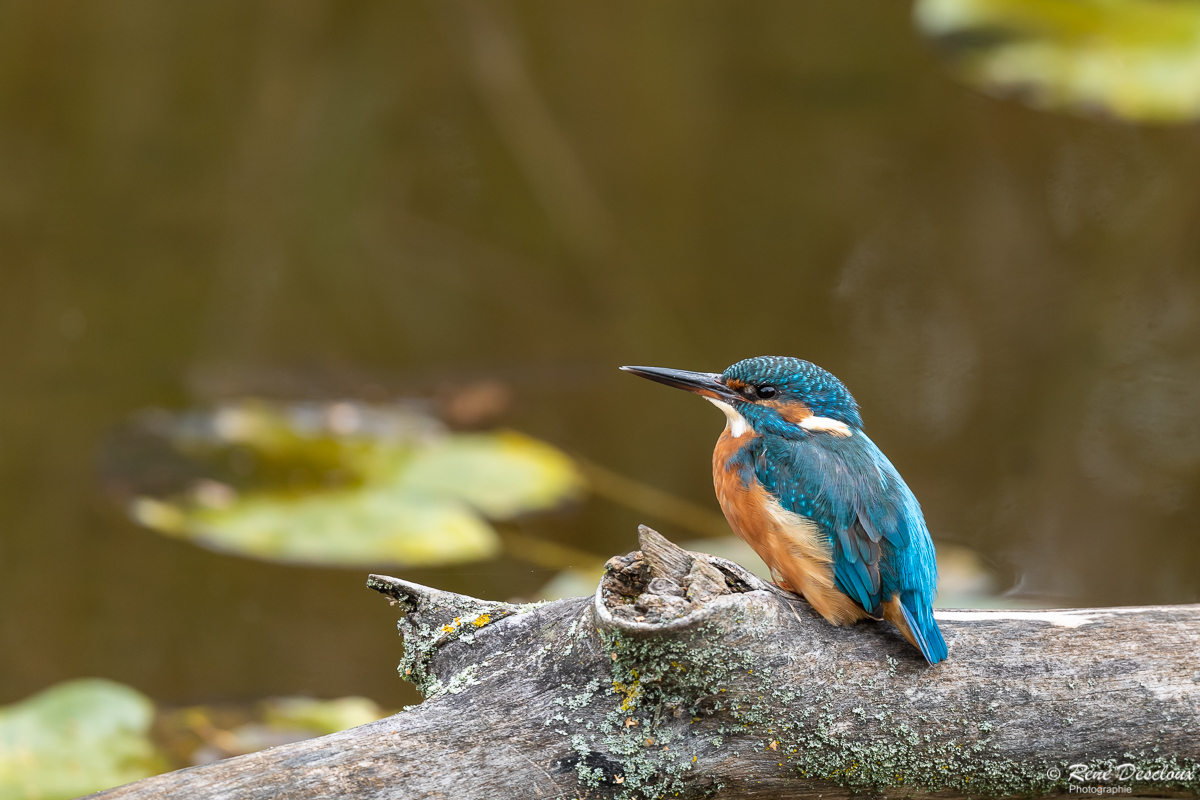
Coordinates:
[705,384]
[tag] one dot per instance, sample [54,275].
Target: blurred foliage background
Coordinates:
[980,214]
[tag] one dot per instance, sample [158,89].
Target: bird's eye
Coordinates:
[766,392]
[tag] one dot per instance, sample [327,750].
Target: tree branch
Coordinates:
[687,674]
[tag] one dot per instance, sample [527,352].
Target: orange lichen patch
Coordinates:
[790,545]
[791,410]
[481,620]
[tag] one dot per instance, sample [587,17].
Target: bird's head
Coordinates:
[770,394]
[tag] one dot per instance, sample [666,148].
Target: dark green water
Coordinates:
[319,199]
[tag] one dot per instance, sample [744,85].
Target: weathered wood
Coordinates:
[688,676]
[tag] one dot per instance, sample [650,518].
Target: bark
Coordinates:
[687,676]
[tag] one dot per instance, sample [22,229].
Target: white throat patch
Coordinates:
[736,424]
[826,425]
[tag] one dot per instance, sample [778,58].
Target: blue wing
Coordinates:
[880,544]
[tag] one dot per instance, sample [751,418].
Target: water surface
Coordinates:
[302,199]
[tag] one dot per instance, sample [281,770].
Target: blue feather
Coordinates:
[864,581]
[924,629]
[848,550]
[864,548]
[849,582]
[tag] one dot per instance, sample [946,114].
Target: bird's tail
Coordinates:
[914,618]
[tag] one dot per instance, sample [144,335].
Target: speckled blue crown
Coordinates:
[802,381]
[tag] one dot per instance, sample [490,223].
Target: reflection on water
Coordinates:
[309,200]
[1135,59]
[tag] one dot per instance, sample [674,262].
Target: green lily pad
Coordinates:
[344,484]
[502,475]
[1135,59]
[349,528]
[75,738]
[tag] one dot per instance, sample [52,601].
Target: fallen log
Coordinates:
[687,676]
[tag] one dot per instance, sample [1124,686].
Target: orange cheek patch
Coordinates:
[793,412]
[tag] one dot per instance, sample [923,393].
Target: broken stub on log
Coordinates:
[662,582]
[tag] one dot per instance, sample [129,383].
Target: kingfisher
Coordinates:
[819,502]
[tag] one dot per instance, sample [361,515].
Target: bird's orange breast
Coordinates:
[791,545]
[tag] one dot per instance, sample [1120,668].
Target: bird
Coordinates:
[803,485]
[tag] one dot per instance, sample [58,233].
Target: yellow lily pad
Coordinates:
[1134,59]
[321,716]
[349,528]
